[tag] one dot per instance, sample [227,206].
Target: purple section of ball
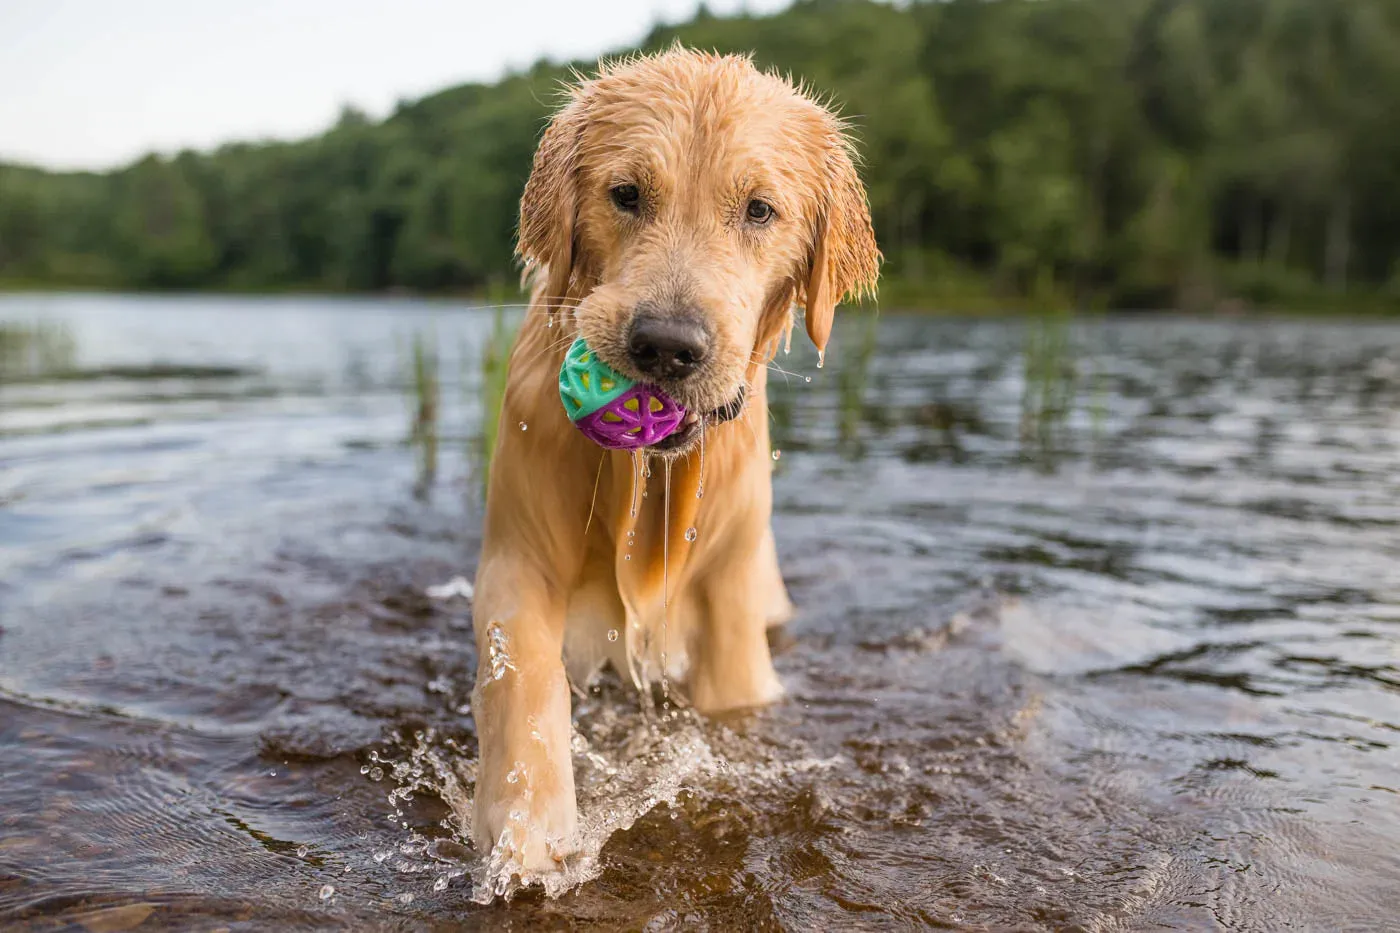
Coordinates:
[618,427]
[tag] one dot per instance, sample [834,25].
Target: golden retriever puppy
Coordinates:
[680,205]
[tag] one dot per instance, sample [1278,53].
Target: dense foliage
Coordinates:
[1143,152]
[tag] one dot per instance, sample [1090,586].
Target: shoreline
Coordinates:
[906,300]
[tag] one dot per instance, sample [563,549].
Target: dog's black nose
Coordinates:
[667,347]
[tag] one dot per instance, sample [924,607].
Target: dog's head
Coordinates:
[679,205]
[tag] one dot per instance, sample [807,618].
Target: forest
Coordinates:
[1190,154]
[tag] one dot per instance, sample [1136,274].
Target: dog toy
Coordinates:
[611,410]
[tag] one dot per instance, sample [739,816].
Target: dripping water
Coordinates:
[593,502]
[700,486]
[665,583]
[636,473]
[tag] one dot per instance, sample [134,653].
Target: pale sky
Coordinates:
[96,83]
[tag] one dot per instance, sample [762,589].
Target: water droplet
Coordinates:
[327,891]
[524,426]
[302,850]
[364,769]
[777,455]
[612,634]
[808,378]
[626,556]
[821,358]
[691,534]
[549,321]
[373,755]
[376,774]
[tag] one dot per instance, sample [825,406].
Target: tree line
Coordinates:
[1141,153]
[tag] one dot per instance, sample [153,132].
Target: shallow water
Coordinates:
[1099,628]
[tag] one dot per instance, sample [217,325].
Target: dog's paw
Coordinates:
[527,835]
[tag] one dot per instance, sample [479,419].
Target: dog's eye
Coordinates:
[759,212]
[627,198]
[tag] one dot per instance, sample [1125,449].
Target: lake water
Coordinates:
[1099,629]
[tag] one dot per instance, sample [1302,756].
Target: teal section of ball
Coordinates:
[586,383]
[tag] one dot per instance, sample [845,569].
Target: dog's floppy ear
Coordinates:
[550,201]
[845,262]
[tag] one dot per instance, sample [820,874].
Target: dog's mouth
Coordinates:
[694,424]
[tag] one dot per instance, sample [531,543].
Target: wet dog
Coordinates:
[679,208]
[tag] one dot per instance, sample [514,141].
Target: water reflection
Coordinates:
[426,399]
[1049,388]
[34,349]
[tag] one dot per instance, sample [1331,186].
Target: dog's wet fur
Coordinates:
[679,187]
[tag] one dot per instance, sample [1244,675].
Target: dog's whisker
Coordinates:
[506,304]
[556,346]
[747,417]
[776,368]
[785,374]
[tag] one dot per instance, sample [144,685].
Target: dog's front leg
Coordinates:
[525,783]
[732,666]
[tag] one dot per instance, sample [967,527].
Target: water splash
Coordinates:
[498,650]
[625,766]
[627,762]
[457,586]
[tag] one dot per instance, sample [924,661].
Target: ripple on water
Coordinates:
[1129,665]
